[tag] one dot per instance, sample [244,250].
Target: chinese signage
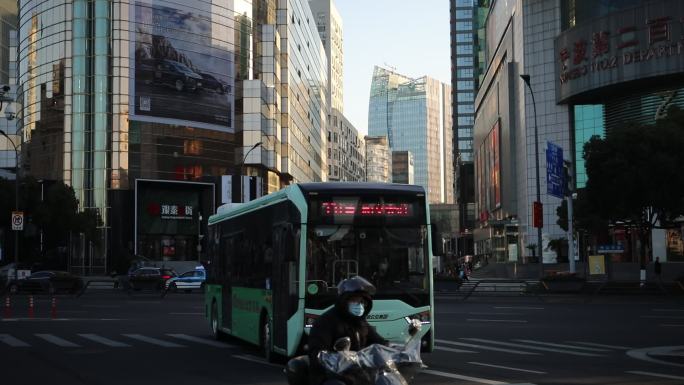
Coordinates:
[638,43]
[554,171]
[170,211]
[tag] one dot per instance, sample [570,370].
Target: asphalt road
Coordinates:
[143,339]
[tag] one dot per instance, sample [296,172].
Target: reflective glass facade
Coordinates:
[588,122]
[416,116]
[113,92]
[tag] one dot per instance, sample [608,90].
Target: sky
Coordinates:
[411,36]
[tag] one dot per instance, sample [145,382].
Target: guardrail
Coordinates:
[496,287]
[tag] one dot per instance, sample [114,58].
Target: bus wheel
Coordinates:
[214,322]
[265,338]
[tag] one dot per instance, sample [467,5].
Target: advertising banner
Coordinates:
[182,61]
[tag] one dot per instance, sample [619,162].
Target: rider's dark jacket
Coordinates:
[337,323]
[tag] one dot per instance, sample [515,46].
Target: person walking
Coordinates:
[657,269]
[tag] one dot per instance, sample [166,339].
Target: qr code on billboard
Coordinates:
[145,103]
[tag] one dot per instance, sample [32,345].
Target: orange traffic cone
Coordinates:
[53,308]
[8,307]
[30,310]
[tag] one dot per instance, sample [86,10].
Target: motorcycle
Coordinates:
[373,365]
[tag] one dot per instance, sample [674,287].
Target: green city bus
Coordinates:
[274,263]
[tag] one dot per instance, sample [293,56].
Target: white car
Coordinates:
[187,281]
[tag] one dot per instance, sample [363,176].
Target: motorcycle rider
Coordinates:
[346,319]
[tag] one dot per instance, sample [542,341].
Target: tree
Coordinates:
[634,175]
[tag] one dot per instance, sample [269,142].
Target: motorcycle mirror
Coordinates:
[342,344]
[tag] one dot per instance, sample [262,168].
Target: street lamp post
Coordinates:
[526,79]
[242,166]
[10,116]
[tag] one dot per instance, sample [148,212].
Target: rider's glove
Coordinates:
[414,327]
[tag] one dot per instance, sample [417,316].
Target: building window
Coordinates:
[464,97]
[464,73]
[464,49]
[465,85]
[464,25]
[464,13]
[466,109]
[464,62]
[464,37]
[464,3]
[466,120]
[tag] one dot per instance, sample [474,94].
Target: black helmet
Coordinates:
[355,285]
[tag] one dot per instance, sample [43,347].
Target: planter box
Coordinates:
[563,286]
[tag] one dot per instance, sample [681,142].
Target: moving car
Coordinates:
[209,82]
[169,73]
[187,281]
[150,278]
[51,281]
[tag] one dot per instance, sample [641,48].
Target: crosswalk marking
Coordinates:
[462,377]
[58,341]
[200,340]
[452,350]
[13,342]
[487,348]
[574,353]
[104,341]
[153,341]
[255,359]
[507,367]
[655,374]
[601,345]
[563,346]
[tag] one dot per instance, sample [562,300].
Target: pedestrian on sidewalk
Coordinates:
[657,269]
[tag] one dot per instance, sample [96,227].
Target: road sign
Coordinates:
[555,185]
[17,220]
[608,249]
[597,265]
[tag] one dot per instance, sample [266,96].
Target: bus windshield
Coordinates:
[392,258]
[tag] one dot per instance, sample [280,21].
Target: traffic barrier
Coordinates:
[53,308]
[8,307]
[31,309]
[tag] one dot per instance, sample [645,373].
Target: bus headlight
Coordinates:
[309,320]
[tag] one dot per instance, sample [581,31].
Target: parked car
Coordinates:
[169,73]
[150,278]
[50,281]
[209,82]
[188,281]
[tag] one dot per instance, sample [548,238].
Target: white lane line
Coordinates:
[153,341]
[57,341]
[651,374]
[200,340]
[462,377]
[507,367]
[529,347]
[104,341]
[663,316]
[198,313]
[493,313]
[257,360]
[519,307]
[452,350]
[12,341]
[520,321]
[495,349]
[601,345]
[563,346]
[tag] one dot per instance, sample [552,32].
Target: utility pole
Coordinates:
[569,194]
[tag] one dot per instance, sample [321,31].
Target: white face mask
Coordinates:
[356,309]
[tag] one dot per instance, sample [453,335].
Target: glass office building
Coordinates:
[415,114]
[148,110]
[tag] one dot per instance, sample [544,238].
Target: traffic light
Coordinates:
[538,215]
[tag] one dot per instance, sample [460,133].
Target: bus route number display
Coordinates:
[365,209]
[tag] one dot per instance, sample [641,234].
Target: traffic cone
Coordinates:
[53,308]
[30,310]
[8,308]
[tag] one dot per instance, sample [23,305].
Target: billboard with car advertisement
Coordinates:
[182,64]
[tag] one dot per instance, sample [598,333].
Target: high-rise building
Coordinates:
[345,146]
[467,68]
[378,159]
[8,77]
[154,112]
[402,167]
[415,114]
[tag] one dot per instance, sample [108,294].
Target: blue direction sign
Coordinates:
[554,171]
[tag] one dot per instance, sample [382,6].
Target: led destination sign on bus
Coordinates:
[366,209]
